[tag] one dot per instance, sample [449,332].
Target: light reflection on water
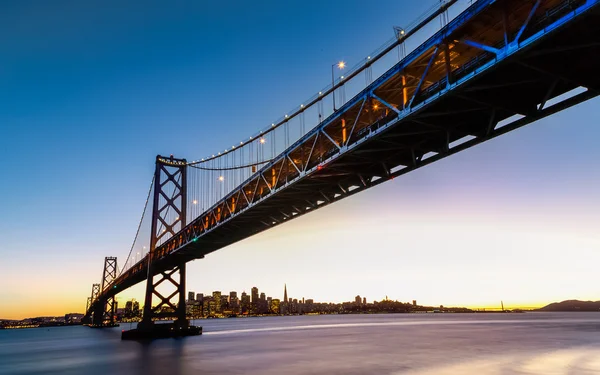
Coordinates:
[413,344]
[560,362]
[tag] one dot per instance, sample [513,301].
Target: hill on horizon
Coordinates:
[572,305]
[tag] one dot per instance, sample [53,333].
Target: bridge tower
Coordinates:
[88,319]
[168,217]
[104,312]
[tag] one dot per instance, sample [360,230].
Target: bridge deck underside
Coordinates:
[389,130]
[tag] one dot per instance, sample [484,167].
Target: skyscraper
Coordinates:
[254,295]
[217,299]
[234,303]
[245,302]
[136,308]
[285,293]
[275,304]
[191,296]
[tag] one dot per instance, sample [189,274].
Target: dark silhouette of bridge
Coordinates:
[499,65]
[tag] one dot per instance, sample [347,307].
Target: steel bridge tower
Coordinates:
[168,217]
[105,311]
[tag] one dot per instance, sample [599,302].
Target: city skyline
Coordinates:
[514,219]
[249,303]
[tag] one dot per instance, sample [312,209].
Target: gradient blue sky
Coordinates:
[91,91]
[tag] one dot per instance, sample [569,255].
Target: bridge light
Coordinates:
[368,57]
[273,125]
[320,93]
[342,77]
[375,106]
[262,140]
[221,178]
[195,201]
[286,116]
[341,65]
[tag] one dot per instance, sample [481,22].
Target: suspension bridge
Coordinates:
[497,66]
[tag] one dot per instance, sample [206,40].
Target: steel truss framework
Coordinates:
[104,310]
[170,196]
[498,66]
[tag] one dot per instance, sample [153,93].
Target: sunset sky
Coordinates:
[91,92]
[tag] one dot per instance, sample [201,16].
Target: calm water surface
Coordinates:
[531,343]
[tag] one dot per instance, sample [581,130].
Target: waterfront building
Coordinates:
[245,303]
[73,318]
[309,306]
[136,309]
[254,295]
[216,300]
[234,302]
[275,305]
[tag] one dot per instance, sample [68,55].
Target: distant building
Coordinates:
[200,297]
[190,296]
[357,300]
[136,309]
[128,311]
[73,318]
[309,305]
[275,305]
[364,300]
[234,302]
[245,302]
[414,302]
[224,303]
[216,298]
